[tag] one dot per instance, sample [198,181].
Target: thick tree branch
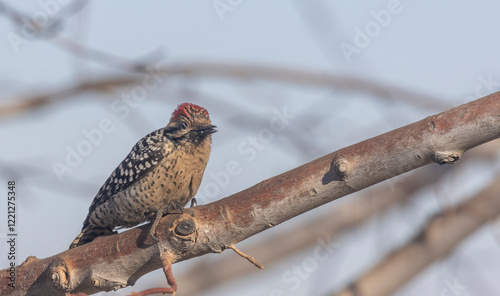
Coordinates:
[355,211]
[119,260]
[278,247]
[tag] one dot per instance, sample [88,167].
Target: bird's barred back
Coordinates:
[142,159]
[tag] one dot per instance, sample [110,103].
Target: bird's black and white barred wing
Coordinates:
[144,158]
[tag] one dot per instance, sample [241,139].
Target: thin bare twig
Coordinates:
[129,65]
[237,72]
[243,255]
[54,25]
[42,30]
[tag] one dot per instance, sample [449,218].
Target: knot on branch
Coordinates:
[340,170]
[185,227]
[446,157]
[183,233]
[343,168]
[60,275]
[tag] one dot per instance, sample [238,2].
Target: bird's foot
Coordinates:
[177,206]
[194,202]
[153,236]
[152,229]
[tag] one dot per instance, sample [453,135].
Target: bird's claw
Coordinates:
[153,236]
[178,206]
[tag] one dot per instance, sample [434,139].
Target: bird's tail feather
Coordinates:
[89,234]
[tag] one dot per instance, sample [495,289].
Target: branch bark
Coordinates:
[357,210]
[119,260]
[278,247]
[437,240]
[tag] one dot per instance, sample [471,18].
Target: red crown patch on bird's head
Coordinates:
[188,109]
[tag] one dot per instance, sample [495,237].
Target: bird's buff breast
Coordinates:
[172,181]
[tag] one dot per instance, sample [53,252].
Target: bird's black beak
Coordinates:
[207,129]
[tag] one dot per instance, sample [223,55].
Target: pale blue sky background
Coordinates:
[448,50]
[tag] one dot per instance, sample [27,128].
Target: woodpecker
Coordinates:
[161,173]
